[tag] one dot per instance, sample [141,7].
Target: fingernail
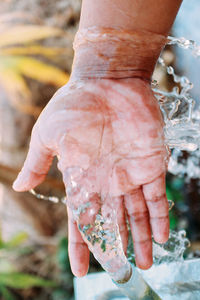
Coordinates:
[17,184]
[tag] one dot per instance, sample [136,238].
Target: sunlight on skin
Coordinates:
[113,130]
[106,129]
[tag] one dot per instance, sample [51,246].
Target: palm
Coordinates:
[114,124]
[112,132]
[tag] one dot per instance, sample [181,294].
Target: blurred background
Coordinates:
[35,60]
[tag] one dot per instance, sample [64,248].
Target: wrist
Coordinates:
[115,53]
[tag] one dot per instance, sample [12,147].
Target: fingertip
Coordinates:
[143,254]
[16,186]
[144,265]
[19,184]
[160,229]
[27,180]
[79,261]
[160,239]
[79,273]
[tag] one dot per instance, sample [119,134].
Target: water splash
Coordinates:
[182,121]
[96,218]
[181,124]
[187,167]
[53,199]
[178,164]
[182,133]
[185,44]
[171,204]
[172,251]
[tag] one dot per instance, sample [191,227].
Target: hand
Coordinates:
[108,136]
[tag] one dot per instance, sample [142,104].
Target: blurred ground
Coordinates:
[64,15]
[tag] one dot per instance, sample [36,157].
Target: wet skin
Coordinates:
[115,128]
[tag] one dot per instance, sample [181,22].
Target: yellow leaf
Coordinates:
[22,34]
[34,50]
[42,72]
[14,83]
[35,69]
[18,92]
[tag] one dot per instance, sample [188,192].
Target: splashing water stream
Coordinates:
[182,124]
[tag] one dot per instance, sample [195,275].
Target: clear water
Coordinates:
[181,121]
[97,221]
[182,118]
[182,132]
[169,252]
[172,251]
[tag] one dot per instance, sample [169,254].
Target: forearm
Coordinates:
[122,38]
[151,15]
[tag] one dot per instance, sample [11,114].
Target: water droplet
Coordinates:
[171,204]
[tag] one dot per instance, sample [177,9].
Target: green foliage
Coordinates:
[62,255]
[174,187]
[61,294]
[15,280]
[16,241]
[7,295]
[65,291]
[23,281]
[174,192]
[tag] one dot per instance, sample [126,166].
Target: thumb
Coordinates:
[36,165]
